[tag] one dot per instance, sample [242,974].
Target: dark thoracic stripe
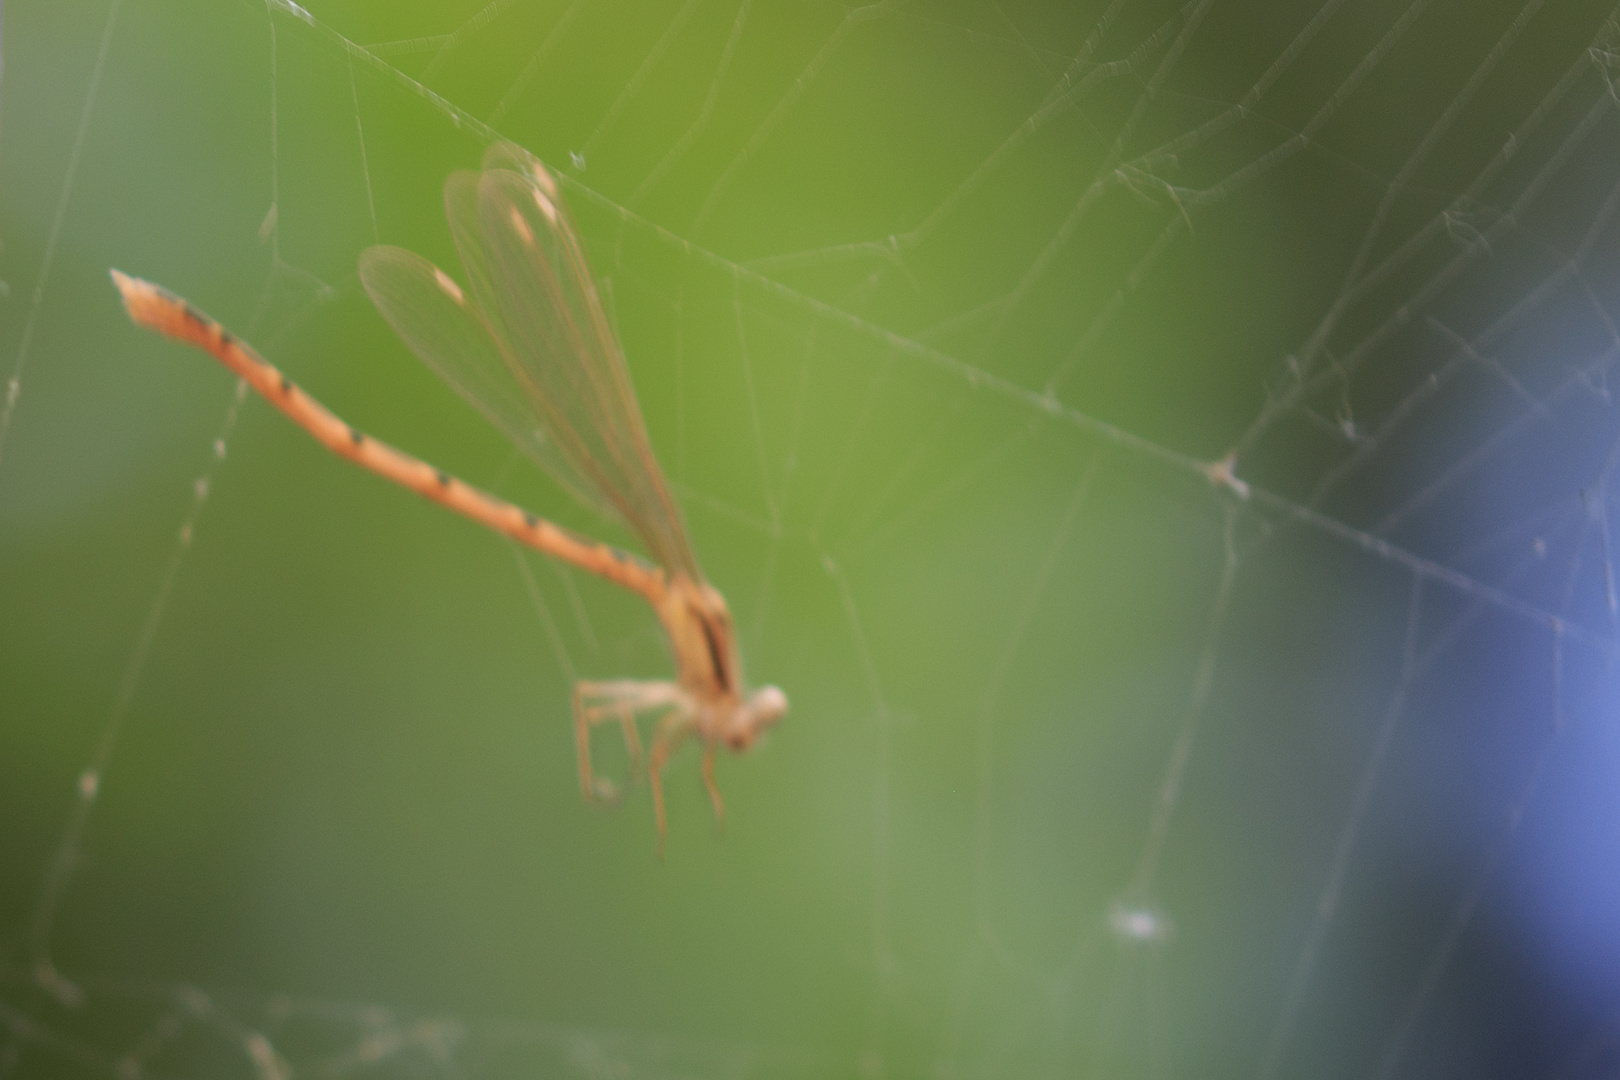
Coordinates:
[721,675]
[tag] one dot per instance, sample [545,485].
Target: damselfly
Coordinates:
[528,344]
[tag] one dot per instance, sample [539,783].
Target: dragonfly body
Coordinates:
[706,701]
[700,632]
[532,349]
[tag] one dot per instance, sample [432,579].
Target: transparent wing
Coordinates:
[430,313]
[533,288]
[529,346]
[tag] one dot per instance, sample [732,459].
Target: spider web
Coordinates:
[1162,450]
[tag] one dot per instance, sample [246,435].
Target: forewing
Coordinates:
[447,331]
[529,278]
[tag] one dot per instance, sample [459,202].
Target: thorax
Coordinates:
[701,635]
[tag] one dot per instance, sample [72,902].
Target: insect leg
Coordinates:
[621,700]
[715,800]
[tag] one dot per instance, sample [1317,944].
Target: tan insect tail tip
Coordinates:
[125,283]
[152,307]
[135,293]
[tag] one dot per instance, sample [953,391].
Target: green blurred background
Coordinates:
[933,387]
